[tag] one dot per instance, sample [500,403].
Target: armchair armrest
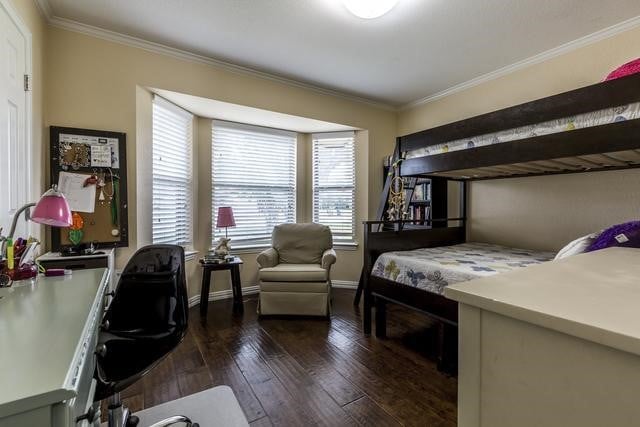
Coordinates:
[268,258]
[328,259]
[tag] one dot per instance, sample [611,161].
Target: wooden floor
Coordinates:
[302,372]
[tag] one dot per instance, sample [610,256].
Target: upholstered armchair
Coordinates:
[294,273]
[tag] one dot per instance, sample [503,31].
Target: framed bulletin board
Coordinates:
[90,168]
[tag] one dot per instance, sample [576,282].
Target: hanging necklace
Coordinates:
[110,196]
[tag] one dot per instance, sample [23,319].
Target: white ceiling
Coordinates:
[213,109]
[420,48]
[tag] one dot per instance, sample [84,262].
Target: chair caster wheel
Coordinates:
[133,421]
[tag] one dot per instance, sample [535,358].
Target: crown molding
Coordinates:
[112,36]
[185,55]
[536,59]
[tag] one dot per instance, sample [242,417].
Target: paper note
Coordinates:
[101,156]
[80,199]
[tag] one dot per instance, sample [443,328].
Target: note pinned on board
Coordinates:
[79,197]
[101,156]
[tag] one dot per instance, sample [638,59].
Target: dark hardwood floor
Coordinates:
[303,371]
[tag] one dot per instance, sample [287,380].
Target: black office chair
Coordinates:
[146,320]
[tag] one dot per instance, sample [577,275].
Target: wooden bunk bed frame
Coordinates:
[606,147]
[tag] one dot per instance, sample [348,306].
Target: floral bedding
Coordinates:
[594,118]
[432,269]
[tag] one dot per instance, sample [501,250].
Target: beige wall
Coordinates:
[547,212]
[541,213]
[94,83]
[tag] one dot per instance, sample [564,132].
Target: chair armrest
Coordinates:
[268,258]
[328,259]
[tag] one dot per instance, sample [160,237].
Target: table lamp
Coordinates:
[52,209]
[225,219]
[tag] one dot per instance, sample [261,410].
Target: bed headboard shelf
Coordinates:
[600,147]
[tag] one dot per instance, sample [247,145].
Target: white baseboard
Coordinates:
[254,289]
[344,284]
[226,294]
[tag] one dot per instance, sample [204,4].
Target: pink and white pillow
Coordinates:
[630,67]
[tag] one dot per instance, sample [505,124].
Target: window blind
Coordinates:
[334,184]
[254,172]
[172,174]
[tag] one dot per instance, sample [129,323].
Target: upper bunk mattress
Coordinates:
[592,119]
[432,269]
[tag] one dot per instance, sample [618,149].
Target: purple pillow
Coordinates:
[626,235]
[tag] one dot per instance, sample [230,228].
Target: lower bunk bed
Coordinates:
[416,274]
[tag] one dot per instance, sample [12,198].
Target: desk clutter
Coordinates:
[89,167]
[17,258]
[211,258]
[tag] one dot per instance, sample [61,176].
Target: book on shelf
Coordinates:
[422,192]
[418,192]
[418,212]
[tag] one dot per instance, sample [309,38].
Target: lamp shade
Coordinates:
[52,209]
[225,217]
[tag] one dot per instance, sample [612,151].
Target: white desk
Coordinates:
[556,344]
[48,331]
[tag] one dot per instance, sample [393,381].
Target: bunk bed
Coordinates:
[593,128]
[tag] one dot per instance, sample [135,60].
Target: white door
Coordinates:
[14,144]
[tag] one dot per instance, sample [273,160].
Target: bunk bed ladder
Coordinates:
[382,211]
[384,197]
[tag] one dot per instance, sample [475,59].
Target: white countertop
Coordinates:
[42,325]
[57,256]
[593,296]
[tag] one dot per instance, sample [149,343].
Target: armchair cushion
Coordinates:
[301,243]
[295,287]
[268,258]
[328,259]
[294,273]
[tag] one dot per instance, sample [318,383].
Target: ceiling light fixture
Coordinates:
[369,9]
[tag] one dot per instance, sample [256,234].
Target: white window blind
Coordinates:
[254,172]
[334,184]
[172,174]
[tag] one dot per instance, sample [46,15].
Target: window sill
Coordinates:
[249,249]
[190,255]
[351,246]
